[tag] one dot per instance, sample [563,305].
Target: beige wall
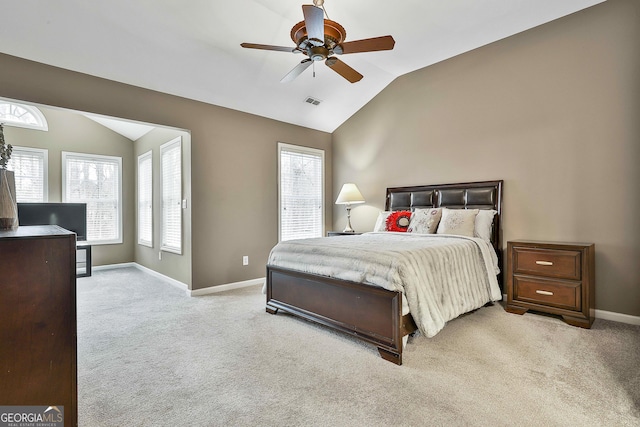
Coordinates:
[233,161]
[176,266]
[75,133]
[554,112]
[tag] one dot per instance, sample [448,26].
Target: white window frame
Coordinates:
[43,155]
[168,147]
[41,121]
[146,157]
[303,150]
[97,157]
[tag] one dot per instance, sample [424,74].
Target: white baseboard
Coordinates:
[609,315]
[173,282]
[618,317]
[227,287]
[113,266]
[183,286]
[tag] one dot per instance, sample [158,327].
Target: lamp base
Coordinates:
[348,228]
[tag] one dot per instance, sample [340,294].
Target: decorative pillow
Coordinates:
[399,221]
[425,221]
[381,222]
[458,221]
[484,224]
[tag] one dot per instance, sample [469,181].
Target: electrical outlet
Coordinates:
[245,260]
[160,255]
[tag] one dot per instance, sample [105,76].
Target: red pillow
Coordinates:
[398,221]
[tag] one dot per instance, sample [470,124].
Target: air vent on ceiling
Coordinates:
[312,101]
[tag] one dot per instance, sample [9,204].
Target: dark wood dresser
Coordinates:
[38,365]
[556,278]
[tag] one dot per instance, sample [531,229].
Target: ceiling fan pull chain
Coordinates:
[314,69]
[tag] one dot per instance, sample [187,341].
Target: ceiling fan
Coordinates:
[319,39]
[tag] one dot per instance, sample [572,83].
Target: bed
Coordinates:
[375,314]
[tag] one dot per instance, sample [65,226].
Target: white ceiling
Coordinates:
[126,128]
[192,48]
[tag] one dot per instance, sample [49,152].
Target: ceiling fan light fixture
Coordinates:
[318,53]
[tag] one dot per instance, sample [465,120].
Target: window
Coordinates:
[97,181]
[22,115]
[30,168]
[145,199]
[300,192]
[171,189]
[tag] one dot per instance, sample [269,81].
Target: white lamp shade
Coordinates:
[349,194]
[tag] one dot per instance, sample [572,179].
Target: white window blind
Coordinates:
[97,181]
[301,192]
[31,174]
[145,199]
[171,189]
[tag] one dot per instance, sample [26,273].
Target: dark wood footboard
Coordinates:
[366,312]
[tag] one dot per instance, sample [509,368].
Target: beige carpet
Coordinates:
[148,355]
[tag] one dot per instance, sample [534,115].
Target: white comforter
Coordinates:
[441,276]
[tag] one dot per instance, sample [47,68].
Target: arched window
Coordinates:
[22,115]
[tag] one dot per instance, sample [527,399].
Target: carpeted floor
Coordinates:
[148,355]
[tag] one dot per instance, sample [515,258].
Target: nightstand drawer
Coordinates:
[563,264]
[547,292]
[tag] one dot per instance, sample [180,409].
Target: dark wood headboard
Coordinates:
[468,195]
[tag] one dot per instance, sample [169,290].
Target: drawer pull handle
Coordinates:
[544,263]
[544,292]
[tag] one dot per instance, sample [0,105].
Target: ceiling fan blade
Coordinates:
[365,45]
[291,75]
[268,47]
[343,69]
[314,22]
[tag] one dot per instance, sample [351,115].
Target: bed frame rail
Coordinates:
[366,312]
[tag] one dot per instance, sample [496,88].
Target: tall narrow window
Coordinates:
[30,168]
[97,181]
[171,189]
[145,199]
[301,192]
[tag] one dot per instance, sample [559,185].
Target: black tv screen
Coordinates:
[70,216]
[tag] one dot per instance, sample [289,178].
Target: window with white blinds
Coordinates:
[97,181]
[31,174]
[171,189]
[145,199]
[301,192]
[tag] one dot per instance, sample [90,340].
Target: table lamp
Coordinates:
[349,194]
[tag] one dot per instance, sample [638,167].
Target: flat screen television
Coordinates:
[70,216]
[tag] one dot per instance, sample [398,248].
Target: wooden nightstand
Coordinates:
[556,278]
[342,233]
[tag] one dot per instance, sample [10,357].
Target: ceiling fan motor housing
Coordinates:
[334,34]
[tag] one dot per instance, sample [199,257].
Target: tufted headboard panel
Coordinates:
[469,195]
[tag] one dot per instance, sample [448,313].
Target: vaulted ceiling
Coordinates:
[192,48]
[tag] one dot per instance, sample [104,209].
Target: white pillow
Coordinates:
[484,224]
[425,221]
[381,222]
[458,221]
